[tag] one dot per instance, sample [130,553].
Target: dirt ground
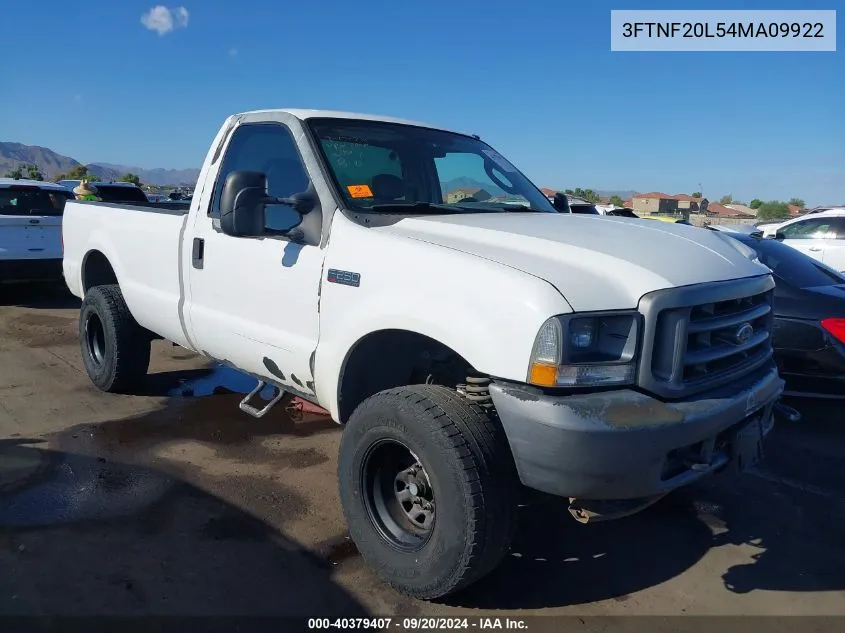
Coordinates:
[176,503]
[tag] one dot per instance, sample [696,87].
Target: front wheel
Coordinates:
[428,488]
[115,349]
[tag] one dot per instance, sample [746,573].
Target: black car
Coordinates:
[809,329]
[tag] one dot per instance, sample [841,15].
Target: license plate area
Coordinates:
[745,448]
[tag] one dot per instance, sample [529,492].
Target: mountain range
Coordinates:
[51,164]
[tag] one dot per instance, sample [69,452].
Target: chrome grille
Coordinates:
[690,348]
[727,334]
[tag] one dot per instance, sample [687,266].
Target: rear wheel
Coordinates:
[115,349]
[428,487]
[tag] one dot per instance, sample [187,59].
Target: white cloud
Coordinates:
[233,52]
[163,20]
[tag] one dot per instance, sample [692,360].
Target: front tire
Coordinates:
[115,349]
[428,488]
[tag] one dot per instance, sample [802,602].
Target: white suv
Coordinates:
[31,229]
[819,235]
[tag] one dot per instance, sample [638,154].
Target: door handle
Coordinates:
[198,252]
[815,248]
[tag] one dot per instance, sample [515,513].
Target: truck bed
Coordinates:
[143,243]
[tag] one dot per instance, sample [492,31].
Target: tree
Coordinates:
[80,172]
[133,178]
[33,172]
[798,202]
[569,192]
[773,210]
[585,194]
[696,194]
[728,199]
[755,204]
[617,201]
[16,173]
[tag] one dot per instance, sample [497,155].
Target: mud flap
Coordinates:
[746,450]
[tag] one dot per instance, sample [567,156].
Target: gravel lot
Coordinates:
[181,504]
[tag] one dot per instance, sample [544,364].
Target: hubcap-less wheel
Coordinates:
[398,495]
[95,338]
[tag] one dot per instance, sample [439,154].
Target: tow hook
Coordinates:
[594,511]
[787,413]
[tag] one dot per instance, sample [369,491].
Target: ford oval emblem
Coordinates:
[743,333]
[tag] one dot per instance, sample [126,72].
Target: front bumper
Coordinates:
[622,444]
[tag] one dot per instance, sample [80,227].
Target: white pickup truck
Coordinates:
[467,346]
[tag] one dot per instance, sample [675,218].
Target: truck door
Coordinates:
[834,253]
[810,236]
[254,302]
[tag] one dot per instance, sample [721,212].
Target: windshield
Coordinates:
[24,200]
[791,265]
[394,168]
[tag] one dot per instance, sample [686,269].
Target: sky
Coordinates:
[141,84]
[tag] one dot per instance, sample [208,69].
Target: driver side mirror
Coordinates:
[780,236]
[561,203]
[244,200]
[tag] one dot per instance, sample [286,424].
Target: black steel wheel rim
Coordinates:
[398,495]
[95,338]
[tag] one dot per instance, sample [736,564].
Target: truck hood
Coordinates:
[595,262]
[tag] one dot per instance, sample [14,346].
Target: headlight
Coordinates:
[586,350]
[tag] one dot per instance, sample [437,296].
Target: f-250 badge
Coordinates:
[344,277]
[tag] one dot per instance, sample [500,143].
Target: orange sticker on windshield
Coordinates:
[359,191]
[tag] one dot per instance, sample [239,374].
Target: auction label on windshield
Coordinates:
[359,191]
[708,30]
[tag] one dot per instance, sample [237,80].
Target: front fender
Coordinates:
[486,312]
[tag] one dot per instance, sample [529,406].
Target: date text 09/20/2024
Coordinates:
[417,624]
[723,29]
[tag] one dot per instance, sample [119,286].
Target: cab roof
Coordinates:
[5,183]
[304,115]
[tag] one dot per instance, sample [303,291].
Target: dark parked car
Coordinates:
[562,203]
[809,332]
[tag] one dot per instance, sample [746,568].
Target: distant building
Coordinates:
[725,211]
[657,202]
[742,208]
[456,195]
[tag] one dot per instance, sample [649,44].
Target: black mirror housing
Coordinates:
[242,204]
[780,236]
[561,203]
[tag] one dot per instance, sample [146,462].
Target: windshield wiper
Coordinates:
[415,207]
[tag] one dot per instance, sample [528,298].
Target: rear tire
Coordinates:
[428,488]
[115,349]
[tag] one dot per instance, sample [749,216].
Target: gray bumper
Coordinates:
[623,444]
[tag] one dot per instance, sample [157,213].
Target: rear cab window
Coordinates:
[33,201]
[120,193]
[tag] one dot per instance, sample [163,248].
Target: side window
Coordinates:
[839,227]
[270,149]
[810,229]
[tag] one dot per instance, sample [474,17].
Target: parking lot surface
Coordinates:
[174,502]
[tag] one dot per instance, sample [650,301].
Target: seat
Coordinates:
[387,188]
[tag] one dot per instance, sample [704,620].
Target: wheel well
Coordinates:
[393,358]
[97,271]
